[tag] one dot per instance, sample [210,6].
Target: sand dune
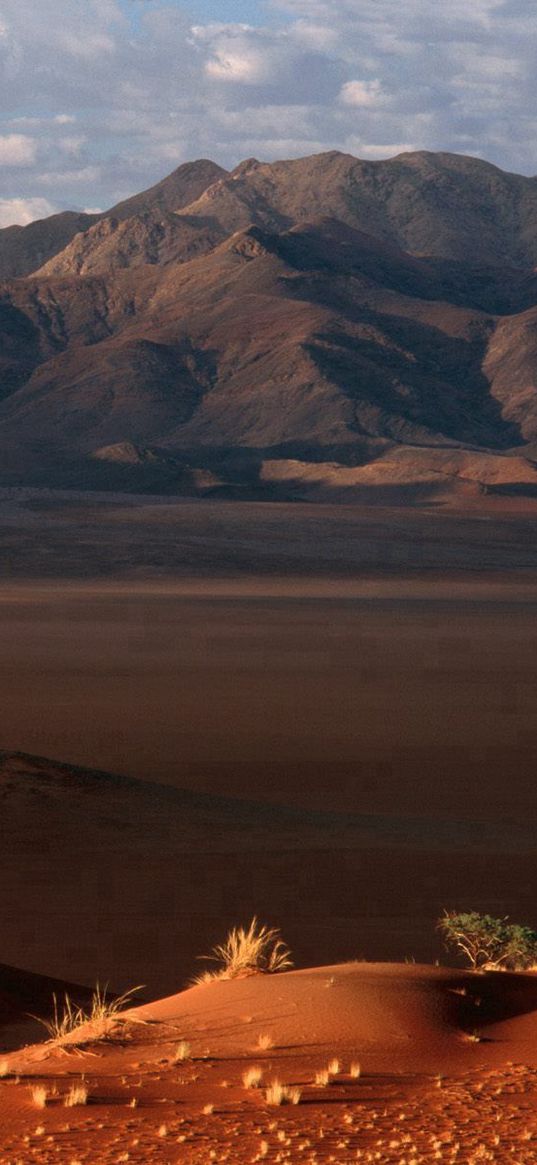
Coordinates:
[426,1092]
[160,871]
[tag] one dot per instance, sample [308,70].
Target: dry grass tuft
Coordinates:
[4,1069]
[333,1067]
[265,1042]
[322,1078]
[259,950]
[39,1094]
[70,1017]
[355,1070]
[252,1077]
[183,1051]
[77,1095]
[277,1093]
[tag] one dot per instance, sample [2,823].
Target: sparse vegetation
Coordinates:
[355,1070]
[333,1067]
[258,950]
[39,1094]
[489,943]
[252,1077]
[183,1051]
[265,1042]
[77,1095]
[69,1018]
[277,1093]
[322,1078]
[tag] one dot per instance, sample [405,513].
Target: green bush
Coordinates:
[489,943]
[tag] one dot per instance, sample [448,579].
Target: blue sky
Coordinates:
[101,98]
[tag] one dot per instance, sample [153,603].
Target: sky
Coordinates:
[101,98]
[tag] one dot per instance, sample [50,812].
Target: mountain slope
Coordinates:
[25,249]
[324,310]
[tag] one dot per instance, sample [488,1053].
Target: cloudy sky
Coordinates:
[100,98]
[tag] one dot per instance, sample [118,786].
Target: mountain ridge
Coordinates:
[342,307]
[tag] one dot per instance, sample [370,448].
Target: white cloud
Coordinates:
[21,211]
[362,94]
[17,150]
[146,90]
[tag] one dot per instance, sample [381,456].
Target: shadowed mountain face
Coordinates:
[321,327]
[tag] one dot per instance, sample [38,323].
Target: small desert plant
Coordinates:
[333,1067]
[489,943]
[183,1051]
[252,1077]
[265,1042]
[259,950]
[322,1078]
[105,1009]
[70,1017]
[39,1094]
[277,1093]
[355,1070]
[78,1094]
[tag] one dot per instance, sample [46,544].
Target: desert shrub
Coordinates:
[77,1095]
[489,943]
[259,950]
[68,1018]
[277,1094]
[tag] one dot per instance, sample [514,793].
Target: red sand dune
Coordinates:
[448,1073]
[25,996]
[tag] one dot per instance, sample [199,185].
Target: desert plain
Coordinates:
[322,715]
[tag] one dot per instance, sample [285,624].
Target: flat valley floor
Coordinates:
[282,655]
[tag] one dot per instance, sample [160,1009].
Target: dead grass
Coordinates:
[252,1077]
[265,1042]
[259,950]
[182,1052]
[67,1019]
[39,1094]
[77,1095]
[278,1093]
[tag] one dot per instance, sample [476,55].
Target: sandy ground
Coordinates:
[335,702]
[447,1072]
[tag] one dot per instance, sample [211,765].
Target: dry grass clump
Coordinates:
[355,1070]
[69,1018]
[333,1067]
[4,1069]
[252,1077]
[77,1095]
[259,950]
[183,1051]
[277,1093]
[322,1078]
[265,1042]
[39,1094]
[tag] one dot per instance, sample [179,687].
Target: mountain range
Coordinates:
[318,328]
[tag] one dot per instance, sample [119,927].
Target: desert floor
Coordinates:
[447,1072]
[376,666]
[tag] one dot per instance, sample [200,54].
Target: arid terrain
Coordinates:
[322,329]
[392,1063]
[268,644]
